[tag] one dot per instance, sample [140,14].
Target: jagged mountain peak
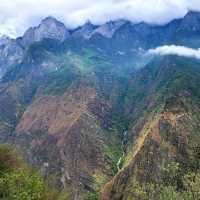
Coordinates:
[191,18]
[86,30]
[3,36]
[194,14]
[88,24]
[49,20]
[49,28]
[4,39]
[52,28]
[108,29]
[191,22]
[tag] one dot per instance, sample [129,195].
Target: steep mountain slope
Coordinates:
[167,133]
[64,137]
[10,53]
[64,130]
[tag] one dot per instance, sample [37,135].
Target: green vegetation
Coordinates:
[176,185]
[19,182]
[62,79]
[92,196]
[112,154]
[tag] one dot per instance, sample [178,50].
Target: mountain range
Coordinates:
[94,112]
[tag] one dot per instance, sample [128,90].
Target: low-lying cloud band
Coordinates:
[176,50]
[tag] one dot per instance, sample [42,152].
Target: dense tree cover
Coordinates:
[19,182]
[177,186]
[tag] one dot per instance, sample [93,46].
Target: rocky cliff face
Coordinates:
[49,28]
[10,53]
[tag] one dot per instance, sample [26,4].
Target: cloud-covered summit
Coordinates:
[17,15]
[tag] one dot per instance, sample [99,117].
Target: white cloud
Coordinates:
[176,50]
[17,15]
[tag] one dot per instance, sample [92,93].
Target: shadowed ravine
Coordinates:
[123,150]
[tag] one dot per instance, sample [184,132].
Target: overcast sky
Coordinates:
[17,15]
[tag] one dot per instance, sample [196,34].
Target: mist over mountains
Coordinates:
[139,37]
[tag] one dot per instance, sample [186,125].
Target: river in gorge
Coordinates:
[123,149]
